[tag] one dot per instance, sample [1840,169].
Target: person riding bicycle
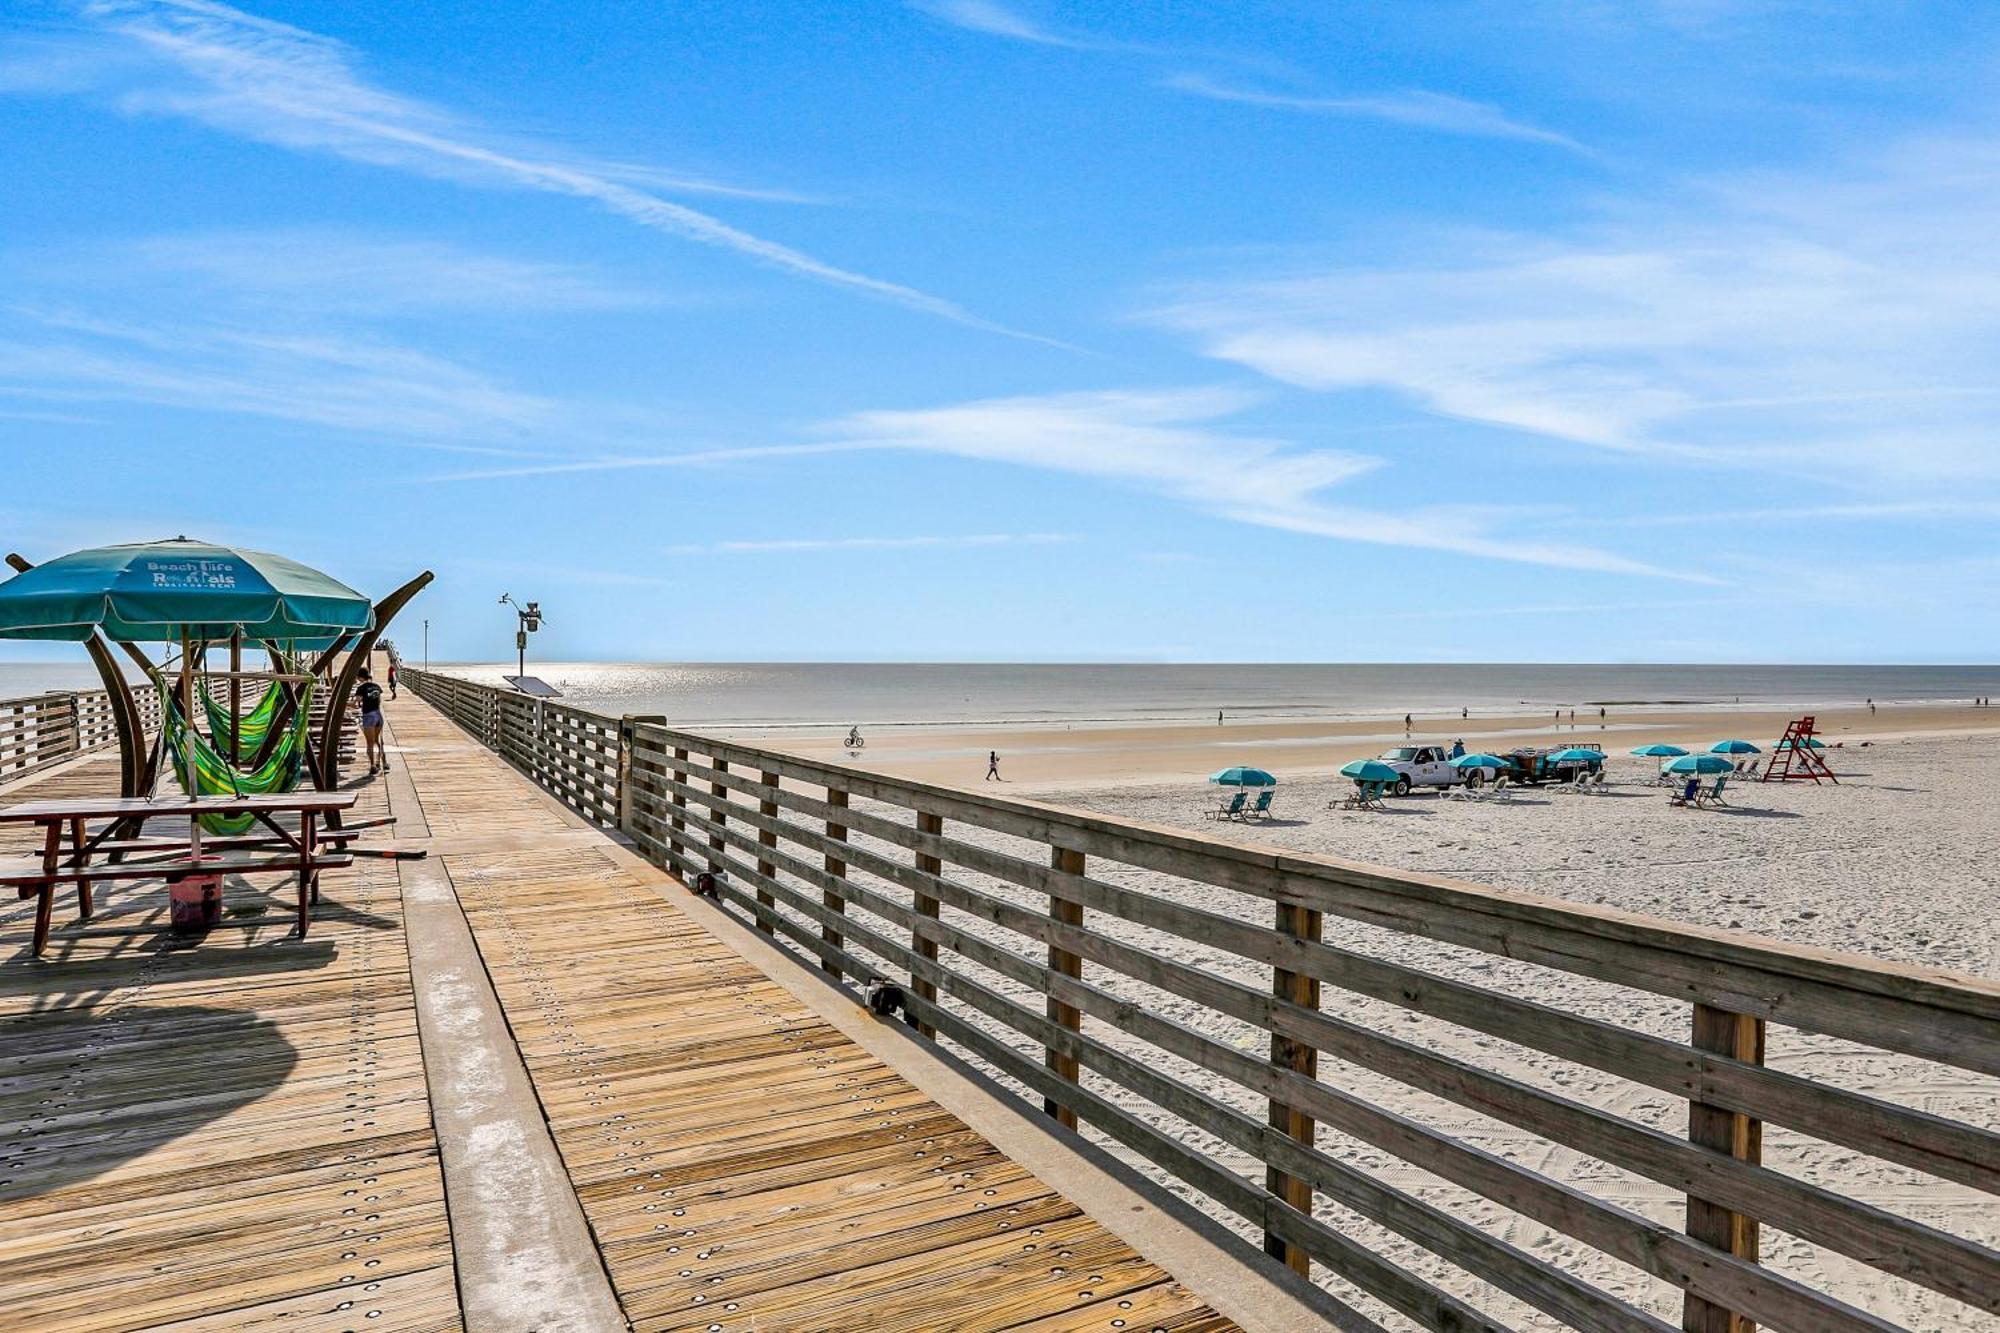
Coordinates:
[854,741]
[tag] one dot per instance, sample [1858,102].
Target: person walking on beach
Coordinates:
[1464,713]
[1218,717]
[993,766]
[1406,724]
[1871,707]
[370,696]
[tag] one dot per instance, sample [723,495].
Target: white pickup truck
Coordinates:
[1421,766]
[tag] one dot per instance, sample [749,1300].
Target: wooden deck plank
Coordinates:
[238,1134]
[231,1135]
[742,1163]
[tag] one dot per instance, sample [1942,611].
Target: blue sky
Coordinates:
[963,330]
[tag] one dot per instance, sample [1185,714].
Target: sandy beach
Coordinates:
[1056,758]
[1890,862]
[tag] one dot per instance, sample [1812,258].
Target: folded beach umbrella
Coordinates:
[1480,761]
[1369,770]
[162,591]
[1659,751]
[1701,764]
[1733,747]
[1577,755]
[1241,776]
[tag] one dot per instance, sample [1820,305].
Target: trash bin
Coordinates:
[196,902]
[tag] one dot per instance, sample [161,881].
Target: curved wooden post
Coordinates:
[326,766]
[133,755]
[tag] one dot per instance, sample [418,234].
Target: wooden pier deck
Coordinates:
[259,1131]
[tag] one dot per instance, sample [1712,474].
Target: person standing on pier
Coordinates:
[370,696]
[993,766]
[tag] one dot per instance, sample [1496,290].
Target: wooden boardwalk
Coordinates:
[233,1136]
[239,1135]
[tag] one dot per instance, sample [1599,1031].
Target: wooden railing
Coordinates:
[1166,990]
[570,751]
[40,730]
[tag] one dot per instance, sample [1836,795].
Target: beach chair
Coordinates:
[1690,794]
[1367,796]
[1500,789]
[1714,794]
[1261,808]
[1230,809]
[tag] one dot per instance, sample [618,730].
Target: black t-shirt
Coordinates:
[371,697]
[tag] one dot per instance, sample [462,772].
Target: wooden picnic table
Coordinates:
[280,849]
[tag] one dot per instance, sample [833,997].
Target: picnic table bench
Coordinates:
[297,852]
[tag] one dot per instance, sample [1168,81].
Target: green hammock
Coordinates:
[214,775]
[251,728]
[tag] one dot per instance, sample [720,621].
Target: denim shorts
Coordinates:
[373,719]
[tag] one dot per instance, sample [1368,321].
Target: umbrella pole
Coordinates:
[187,748]
[236,696]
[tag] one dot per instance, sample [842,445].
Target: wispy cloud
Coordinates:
[794,545]
[1836,325]
[315,378]
[647,462]
[1416,108]
[282,85]
[1168,442]
[321,327]
[997,20]
[327,271]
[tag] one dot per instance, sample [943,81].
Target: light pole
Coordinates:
[529,619]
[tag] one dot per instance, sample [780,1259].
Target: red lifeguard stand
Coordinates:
[1797,757]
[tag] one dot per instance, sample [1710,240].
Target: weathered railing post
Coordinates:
[678,825]
[717,844]
[926,905]
[767,838]
[836,868]
[1288,1053]
[75,723]
[1070,913]
[1739,1037]
[628,790]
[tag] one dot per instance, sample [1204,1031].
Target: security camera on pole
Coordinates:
[529,618]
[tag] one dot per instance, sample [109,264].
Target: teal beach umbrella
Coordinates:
[1480,761]
[1701,764]
[1241,776]
[1659,751]
[1734,747]
[168,590]
[1815,743]
[1369,770]
[1577,755]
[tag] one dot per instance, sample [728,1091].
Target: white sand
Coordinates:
[1894,862]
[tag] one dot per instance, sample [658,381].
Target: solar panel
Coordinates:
[534,685]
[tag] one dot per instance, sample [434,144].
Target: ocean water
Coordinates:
[795,694]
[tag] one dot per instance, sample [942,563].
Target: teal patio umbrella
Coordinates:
[1577,755]
[1659,751]
[1701,765]
[1733,747]
[1480,761]
[1369,770]
[1814,743]
[1243,776]
[155,592]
